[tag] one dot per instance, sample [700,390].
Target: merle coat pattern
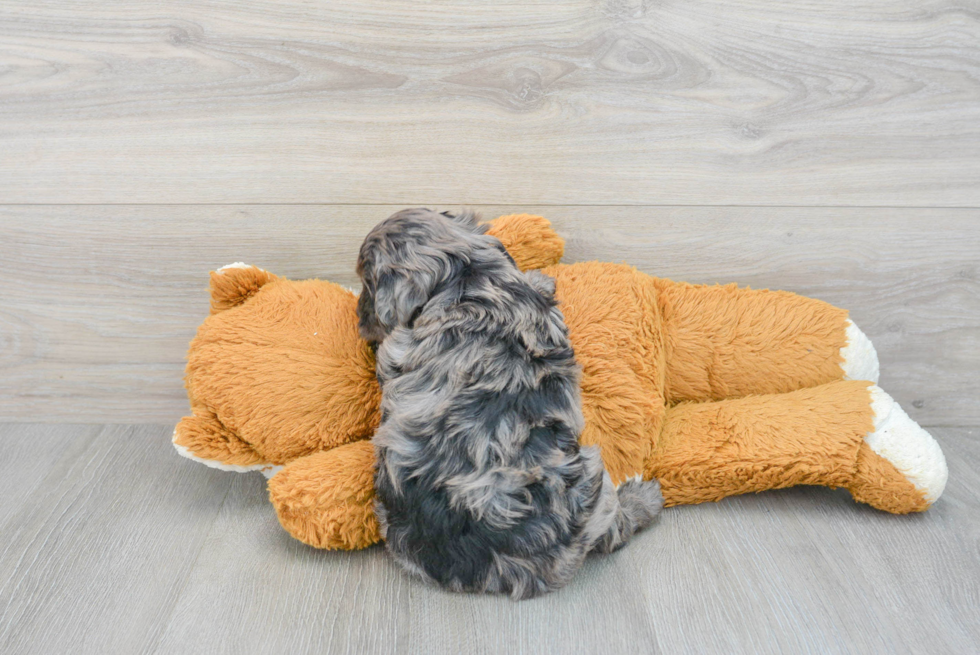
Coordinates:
[481,482]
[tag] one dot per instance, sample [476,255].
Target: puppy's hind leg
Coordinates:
[622,512]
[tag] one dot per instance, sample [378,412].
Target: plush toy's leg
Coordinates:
[728,342]
[202,438]
[326,499]
[843,434]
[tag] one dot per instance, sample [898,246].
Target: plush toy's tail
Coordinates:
[233,284]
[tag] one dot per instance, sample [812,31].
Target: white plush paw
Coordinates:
[860,359]
[268,470]
[908,447]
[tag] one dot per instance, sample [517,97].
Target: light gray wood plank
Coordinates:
[256,590]
[807,570]
[840,102]
[30,452]
[802,570]
[95,557]
[101,301]
[129,548]
[601,611]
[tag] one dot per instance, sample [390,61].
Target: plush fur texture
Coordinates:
[337,486]
[237,357]
[481,480]
[678,381]
[807,436]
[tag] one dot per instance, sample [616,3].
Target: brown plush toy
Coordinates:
[713,390]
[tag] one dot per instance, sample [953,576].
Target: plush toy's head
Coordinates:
[277,378]
[279,371]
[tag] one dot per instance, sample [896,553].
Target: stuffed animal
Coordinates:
[713,390]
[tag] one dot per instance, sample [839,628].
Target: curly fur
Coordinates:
[481,481]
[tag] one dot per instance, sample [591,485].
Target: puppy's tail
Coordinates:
[639,501]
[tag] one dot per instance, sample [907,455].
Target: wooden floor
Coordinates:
[827,147]
[112,544]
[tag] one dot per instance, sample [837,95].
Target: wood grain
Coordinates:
[757,102]
[126,547]
[101,302]
[807,570]
[100,549]
[280,595]
[31,452]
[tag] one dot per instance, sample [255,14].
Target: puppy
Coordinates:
[481,483]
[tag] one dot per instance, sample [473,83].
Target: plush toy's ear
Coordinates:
[233,284]
[529,239]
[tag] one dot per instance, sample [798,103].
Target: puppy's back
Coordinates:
[479,465]
[481,482]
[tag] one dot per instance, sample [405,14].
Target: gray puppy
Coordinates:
[481,482]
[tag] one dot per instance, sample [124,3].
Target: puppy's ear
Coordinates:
[396,299]
[467,219]
[367,318]
[400,295]
[410,257]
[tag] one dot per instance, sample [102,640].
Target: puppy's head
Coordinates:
[408,258]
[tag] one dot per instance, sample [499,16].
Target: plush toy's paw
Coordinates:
[901,468]
[326,499]
[907,446]
[204,439]
[860,359]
